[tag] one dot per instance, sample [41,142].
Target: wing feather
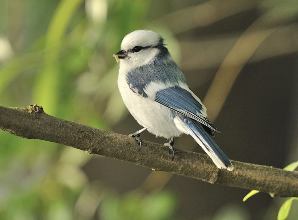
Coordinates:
[182,101]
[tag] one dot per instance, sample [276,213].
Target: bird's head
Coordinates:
[139,48]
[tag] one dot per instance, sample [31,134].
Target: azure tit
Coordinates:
[155,92]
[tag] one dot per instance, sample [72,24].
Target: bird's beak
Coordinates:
[120,55]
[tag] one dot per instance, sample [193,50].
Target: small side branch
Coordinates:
[33,123]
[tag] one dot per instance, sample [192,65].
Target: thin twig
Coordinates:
[238,56]
[203,14]
[209,53]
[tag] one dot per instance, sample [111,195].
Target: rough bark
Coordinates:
[33,123]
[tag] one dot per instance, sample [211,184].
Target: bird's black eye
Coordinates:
[136,49]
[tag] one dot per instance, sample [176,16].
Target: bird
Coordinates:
[155,92]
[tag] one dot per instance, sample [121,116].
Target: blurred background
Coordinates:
[239,56]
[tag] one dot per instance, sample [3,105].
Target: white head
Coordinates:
[139,48]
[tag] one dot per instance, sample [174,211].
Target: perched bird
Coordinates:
[155,92]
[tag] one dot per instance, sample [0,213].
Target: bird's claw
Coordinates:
[137,139]
[170,146]
[137,136]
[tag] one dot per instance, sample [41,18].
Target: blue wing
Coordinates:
[181,101]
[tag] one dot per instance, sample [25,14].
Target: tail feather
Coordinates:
[196,130]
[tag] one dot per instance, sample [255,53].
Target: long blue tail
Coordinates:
[196,130]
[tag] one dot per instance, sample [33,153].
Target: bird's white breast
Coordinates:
[156,118]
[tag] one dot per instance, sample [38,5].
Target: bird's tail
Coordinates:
[196,130]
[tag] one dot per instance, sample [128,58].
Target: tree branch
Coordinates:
[33,123]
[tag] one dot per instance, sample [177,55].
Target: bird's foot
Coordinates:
[170,145]
[137,136]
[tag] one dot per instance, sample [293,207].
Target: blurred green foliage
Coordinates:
[134,206]
[279,11]
[231,212]
[60,57]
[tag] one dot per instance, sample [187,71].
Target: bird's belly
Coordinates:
[156,118]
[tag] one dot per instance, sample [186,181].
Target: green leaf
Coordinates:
[285,209]
[250,194]
[291,166]
[15,67]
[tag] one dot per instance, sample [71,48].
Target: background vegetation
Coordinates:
[240,55]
